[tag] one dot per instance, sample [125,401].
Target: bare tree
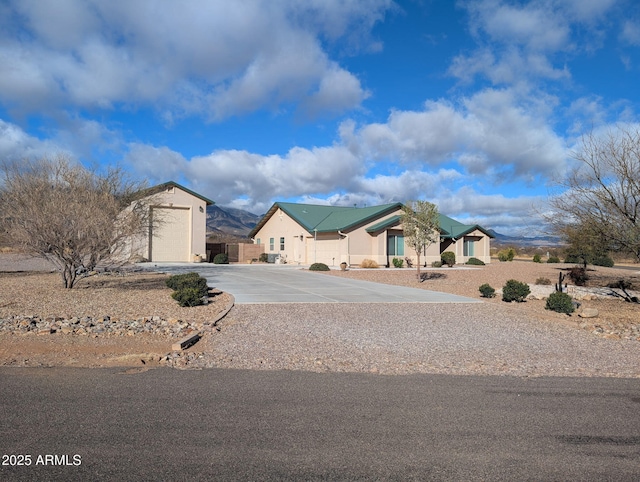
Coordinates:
[71,216]
[603,191]
[421,226]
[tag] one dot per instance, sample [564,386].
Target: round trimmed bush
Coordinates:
[560,303]
[605,261]
[486,291]
[318,267]
[221,258]
[515,290]
[537,258]
[188,297]
[263,258]
[179,281]
[398,262]
[448,258]
[475,261]
[553,259]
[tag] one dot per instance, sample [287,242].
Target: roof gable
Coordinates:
[166,185]
[450,228]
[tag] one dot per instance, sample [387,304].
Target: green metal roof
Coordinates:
[168,184]
[326,219]
[450,228]
[392,221]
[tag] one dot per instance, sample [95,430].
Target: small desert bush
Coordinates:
[578,275]
[475,261]
[318,267]
[189,288]
[187,280]
[436,264]
[506,254]
[605,261]
[448,258]
[221,258]
[543,281]
[553,259]
[398,262]
[486,291]
[537,258]
[263,258]
[188,297]
[515,290]
[560,303]
[369,263]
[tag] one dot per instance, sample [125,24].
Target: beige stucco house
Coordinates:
[307,233]
[178,225]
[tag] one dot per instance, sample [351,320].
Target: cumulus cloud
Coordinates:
[211,58]
[519,42]
[492,132]
[16,144]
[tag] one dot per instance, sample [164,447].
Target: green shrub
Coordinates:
[475,261]
[515,291]
[560,303]
[578,275]
[398,262]
[221,258]
[543,281]
[190,281]
[263,258]
[553,259]
[537,258]
[486,291]
[318,267]
[179,281]
[436,264]
[605,261]
[188,296]
[506,254]
[448,258]
[573,258]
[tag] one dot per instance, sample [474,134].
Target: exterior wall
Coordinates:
[280,225]
[353,246]
[177,198]
[481,247]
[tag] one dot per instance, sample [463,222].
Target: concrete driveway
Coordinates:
[268,283]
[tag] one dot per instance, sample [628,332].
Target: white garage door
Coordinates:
[170,241]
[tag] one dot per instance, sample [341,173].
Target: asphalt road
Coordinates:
[270,283]
[214,424]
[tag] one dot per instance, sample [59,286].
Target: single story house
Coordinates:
[178,227]
[307,233]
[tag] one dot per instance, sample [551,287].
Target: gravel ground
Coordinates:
[491,338]
[460,339]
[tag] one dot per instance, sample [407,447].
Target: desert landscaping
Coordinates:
[129,319]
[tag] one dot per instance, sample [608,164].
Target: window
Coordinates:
[271,241]
[396,246]
[281,244]
[257,240]
[469,247]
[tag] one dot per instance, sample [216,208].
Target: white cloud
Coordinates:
[519,43]
[494,131]
[17,145]
[215,58]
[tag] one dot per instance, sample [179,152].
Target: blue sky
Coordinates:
[473,105]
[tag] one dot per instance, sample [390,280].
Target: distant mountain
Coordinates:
[532,241]
[230,221]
